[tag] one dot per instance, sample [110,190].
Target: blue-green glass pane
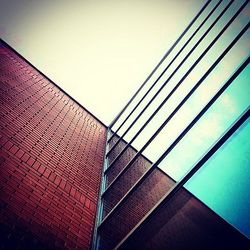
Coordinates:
[209,128]
[223,183]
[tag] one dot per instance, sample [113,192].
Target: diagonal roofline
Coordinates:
[40,72]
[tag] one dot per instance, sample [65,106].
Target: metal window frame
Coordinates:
[183,47]
[179,83]
[184,132]
[185,99]
[217,144]
[99,211]
[169,78]
[167,197]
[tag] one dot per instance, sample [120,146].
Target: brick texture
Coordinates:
[115,192]
[126,216]
[50,161]
[185,223]
[127,179]
[120,163]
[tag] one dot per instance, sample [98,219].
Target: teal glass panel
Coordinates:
[202,95]
[221,115]
[223,183]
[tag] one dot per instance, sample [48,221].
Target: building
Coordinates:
[68,181]
[51,159]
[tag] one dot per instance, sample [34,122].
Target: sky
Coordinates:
[98,51]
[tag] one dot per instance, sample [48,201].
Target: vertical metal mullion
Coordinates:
[170,77]
[179,83]
[95,239]
[159,77]
[159,64]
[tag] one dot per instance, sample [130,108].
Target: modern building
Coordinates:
[170,172]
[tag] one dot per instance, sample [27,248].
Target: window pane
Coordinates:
[223,182]
[210,127]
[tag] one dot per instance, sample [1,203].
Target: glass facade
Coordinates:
[194,98]
[223,182]
[222,114]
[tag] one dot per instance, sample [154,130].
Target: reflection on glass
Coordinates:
[210,127]
[205,92]
[223,182]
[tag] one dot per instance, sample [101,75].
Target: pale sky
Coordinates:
[98,51]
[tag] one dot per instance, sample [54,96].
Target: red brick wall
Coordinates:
[115,192]
[124,217]
[118,148]
[120,163]
[119,223]
[50,161]
[127,179]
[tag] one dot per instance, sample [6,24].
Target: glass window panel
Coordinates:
[161,96]
[223,182]
[188,83]
[210,127]
[191,108]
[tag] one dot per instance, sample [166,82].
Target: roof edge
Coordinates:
[22,57]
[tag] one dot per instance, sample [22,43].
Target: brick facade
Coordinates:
[117,223]
[123,219]
[120,163]
[127,179]
[51,158]
[50,162]
[115,192]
